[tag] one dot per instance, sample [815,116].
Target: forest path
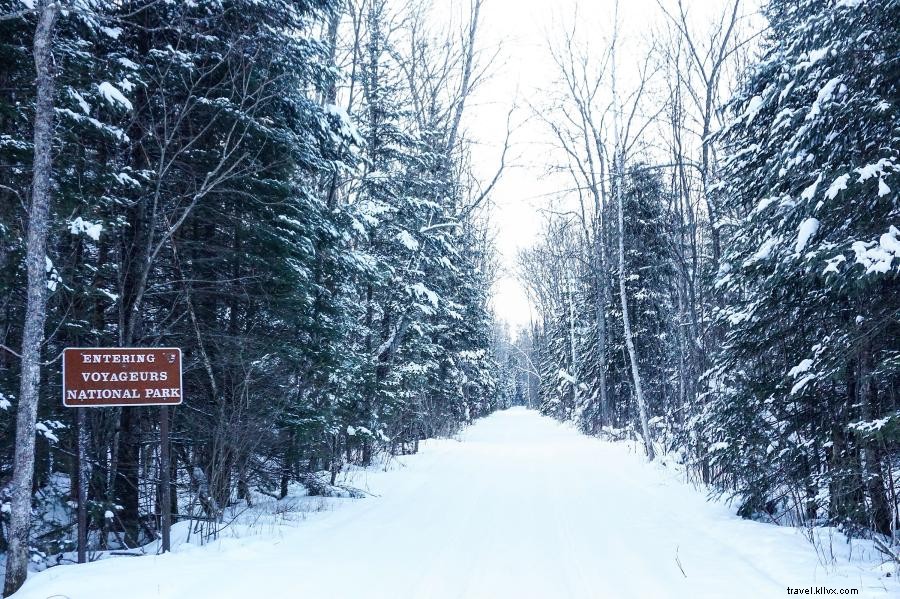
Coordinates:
[519,507]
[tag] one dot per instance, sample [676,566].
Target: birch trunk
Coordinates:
[601,321]
[626,321]
[36,304]
[575,399]
[619,171]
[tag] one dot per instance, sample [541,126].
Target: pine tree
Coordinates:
[648,233]
[810,276]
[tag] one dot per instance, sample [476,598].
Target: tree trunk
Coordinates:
[36,306]
[574,353]
[127,475]
[601,322]
[626,323]
[874,481]
[619,172]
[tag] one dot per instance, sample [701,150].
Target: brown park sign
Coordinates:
[121,376]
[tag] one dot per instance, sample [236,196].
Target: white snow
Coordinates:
[518,507]
[112,95]
[109,294]
[128,63]
[407,240]
[800,368]
[82,103]
[838,185]
[92,230]
[764,252]
[823,96]
[114,131]
[877,256]
[753,107]
[471,355]
[53,278]
[799,385]
[876,168]
[883,188]
[810,192]
[807,229]
[565,376]
[113,32]
[889,241]
[126,179]
[422,291]
[833,263]
[871,426]
[817,55]
[785,92]
[346,127]
[369,210]
[764,203]
[45,431]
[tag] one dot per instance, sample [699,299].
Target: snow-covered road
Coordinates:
[519,507]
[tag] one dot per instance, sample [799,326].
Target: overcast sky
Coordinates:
[523,72]
[518,31]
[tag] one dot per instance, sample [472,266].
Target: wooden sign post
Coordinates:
[98,377]
[83,477]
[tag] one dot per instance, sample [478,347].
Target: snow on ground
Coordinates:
[518,507]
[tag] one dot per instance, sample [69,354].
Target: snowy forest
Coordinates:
[297,193]
[726,286]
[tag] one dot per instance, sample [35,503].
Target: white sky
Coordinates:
[522,73]
[521,69]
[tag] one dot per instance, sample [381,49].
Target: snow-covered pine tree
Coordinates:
[210,194]
[426,327]
[648,235]
[189,148]
[550,270]
[801,385]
